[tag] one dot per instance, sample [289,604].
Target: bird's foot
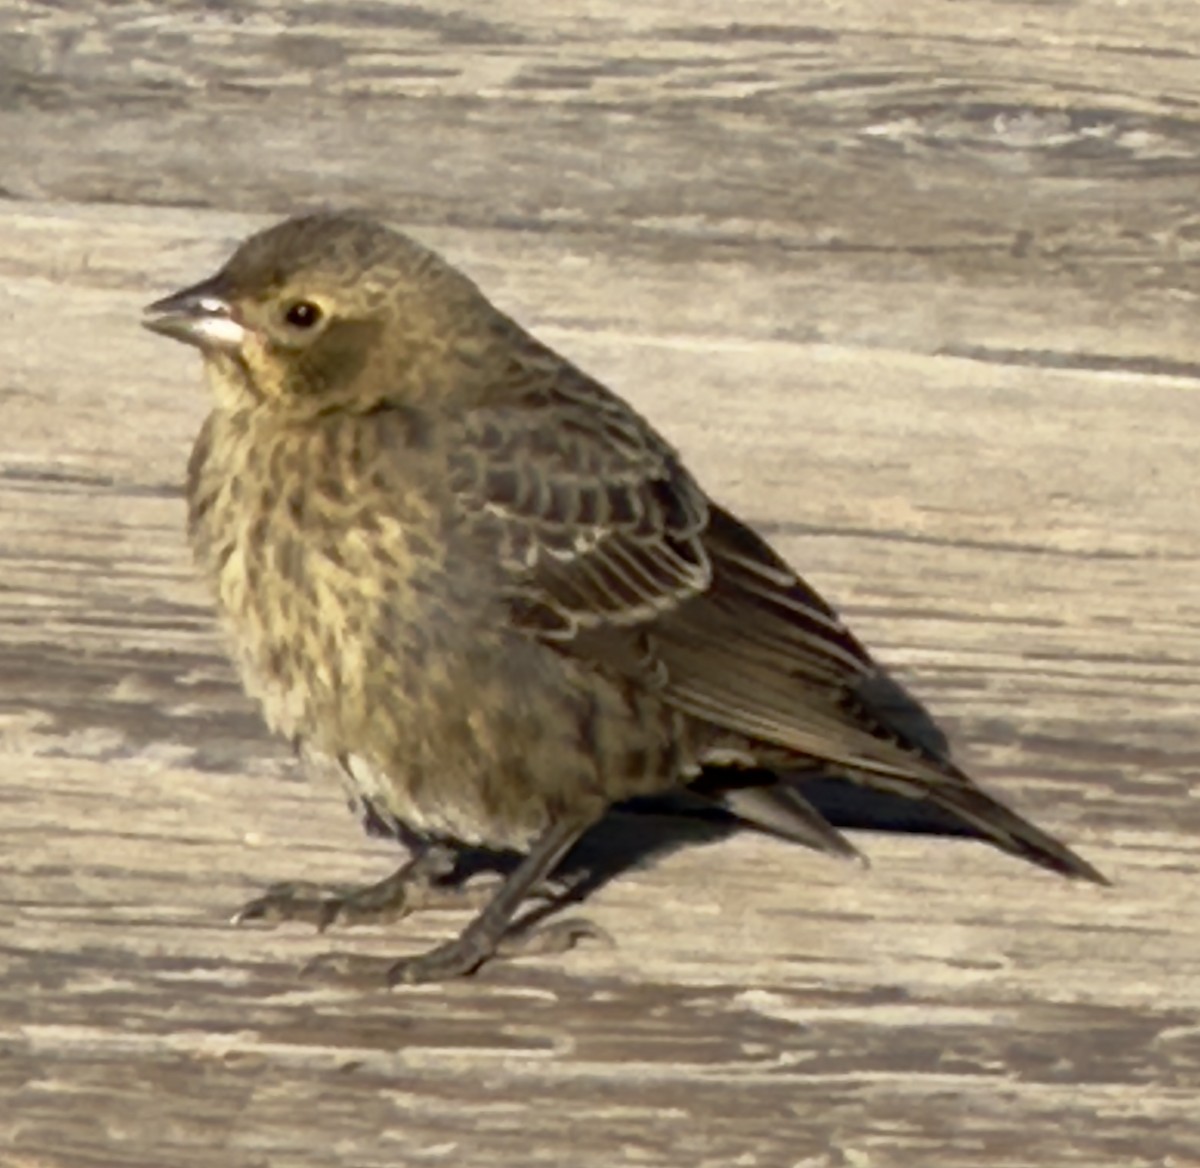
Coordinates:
[464,955]
[406,891]
[400,894]
[556,937]
[457,958]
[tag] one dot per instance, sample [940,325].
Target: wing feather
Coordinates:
[595,520]
[600,530]
[611,551]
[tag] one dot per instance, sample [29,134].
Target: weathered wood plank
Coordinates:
[914,290]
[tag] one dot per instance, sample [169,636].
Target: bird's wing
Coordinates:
[611,549]
[612,552]
[761,652]
[732,656]
[595,522]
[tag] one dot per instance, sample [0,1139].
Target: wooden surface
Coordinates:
[914,287]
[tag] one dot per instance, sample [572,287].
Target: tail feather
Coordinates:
[1012,833]
[781,810]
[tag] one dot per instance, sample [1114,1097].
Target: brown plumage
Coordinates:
[488,591]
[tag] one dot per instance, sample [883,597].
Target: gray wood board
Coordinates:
[914,289]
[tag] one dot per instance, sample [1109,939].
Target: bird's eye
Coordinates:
[303,314]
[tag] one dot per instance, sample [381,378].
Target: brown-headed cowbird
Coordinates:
[485,589]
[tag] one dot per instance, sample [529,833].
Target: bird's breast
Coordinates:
[329,562]
[374,631]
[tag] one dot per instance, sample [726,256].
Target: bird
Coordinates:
[479,587]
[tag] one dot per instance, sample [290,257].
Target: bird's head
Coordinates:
[328,310]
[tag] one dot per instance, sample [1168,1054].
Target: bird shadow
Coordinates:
[641,832]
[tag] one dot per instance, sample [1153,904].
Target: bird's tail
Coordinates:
[997,824]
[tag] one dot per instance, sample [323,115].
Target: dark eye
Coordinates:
[303,314]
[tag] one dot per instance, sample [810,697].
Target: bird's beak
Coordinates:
[200,315]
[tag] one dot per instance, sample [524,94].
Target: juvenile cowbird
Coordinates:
[485,589]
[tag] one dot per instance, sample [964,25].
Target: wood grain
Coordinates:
[914,289]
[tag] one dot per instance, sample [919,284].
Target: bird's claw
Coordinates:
[297,900]
[554,938]
[464,956]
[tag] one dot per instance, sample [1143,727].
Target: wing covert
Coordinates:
[593,518]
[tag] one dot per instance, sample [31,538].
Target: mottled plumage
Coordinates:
[483,586]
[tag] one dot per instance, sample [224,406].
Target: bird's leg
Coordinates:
[484,937]
[421,883]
